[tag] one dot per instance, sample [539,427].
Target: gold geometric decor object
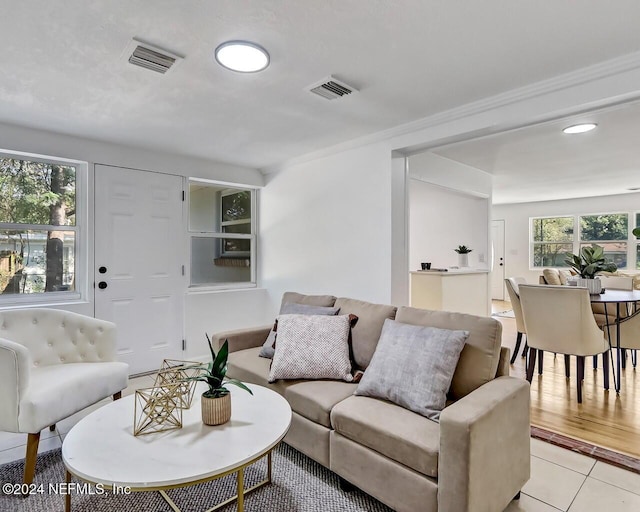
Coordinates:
[157,409]
[174,371]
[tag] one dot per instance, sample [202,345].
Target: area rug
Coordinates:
[299,485]
[508,313]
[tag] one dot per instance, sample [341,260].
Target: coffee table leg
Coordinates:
[241,490]
[67,497]
[269,467]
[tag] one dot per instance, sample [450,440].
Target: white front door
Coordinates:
[139,253]
[497,264]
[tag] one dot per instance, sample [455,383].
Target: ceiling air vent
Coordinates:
[150,57]
[330,88]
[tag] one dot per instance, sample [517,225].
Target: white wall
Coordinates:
[208,312]
[440,220]
[516,220]
[448,206]
[325,227]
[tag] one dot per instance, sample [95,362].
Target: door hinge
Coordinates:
[184,344]
[183,195]
[182,269]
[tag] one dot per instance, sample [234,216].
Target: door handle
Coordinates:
[102,285]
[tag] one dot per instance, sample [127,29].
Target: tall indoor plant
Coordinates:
[588,263]
[216,401]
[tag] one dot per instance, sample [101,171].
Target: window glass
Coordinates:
[37,227]
[610,226]
[552,239]
[222,234]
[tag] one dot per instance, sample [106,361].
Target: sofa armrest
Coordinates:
[15,363]
[485,447]
[241,339]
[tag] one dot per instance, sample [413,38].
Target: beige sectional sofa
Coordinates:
[476,458]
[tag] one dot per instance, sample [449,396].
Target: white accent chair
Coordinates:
[53,364]
[559,319]
[513,285]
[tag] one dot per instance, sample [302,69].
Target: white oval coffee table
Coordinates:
[101,448]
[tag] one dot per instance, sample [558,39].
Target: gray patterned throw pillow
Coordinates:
[413,367]
[292,308]
[312,347]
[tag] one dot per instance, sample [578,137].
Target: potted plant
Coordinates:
[216,401]
[589,262]
[463,255]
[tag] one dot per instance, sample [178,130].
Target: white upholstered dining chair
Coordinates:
[559,319]
[53,364]
[513,284]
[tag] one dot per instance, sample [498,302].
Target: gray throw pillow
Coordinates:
[413,367]
[292,308]
[312,347]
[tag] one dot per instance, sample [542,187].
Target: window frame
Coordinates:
[577,241]
[81,264]
[228,188]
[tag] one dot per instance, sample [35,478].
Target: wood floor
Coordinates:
[603,419]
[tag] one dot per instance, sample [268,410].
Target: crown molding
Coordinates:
[575,78]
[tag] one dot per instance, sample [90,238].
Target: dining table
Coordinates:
[614,301]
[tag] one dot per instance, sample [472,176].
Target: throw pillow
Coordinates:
[551,276]
[292,308]
[413,367]
[312,347]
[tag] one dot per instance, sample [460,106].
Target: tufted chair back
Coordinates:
[54,336]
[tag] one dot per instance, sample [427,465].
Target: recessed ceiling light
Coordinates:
[242,56]
[580,128]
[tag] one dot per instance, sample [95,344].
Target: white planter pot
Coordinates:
[463,260]
[593,285]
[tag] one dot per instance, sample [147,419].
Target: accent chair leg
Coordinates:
[52,427]
[634,357]
[567,366]
[595,362]
[117,396]
[605,369]
[30,459]
[580,360]
[624,358]
[532,363]
[526,347]
[517,348]
[345,485]
[517,496]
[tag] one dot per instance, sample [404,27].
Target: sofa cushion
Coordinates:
[293,308]
[312,347]
[315,399]
[247,366]
[366,333]
[310,300]
[413,367]
[397,433]
[481,354]
[551,276]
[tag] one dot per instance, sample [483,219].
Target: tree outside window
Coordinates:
[37,226]
[552,238]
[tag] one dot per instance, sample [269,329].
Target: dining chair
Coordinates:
[512,284]
[559,319]
[618,283]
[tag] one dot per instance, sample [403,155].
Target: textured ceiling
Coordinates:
[62,68]
[540,163]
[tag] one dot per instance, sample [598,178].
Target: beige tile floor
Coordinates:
[560,479]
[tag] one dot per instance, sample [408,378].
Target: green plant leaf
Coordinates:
[220,362]
[236,382]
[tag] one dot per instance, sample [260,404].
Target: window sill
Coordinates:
[44,302]
[196,290]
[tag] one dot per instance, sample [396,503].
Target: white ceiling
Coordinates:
[62,69]
[541,163]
